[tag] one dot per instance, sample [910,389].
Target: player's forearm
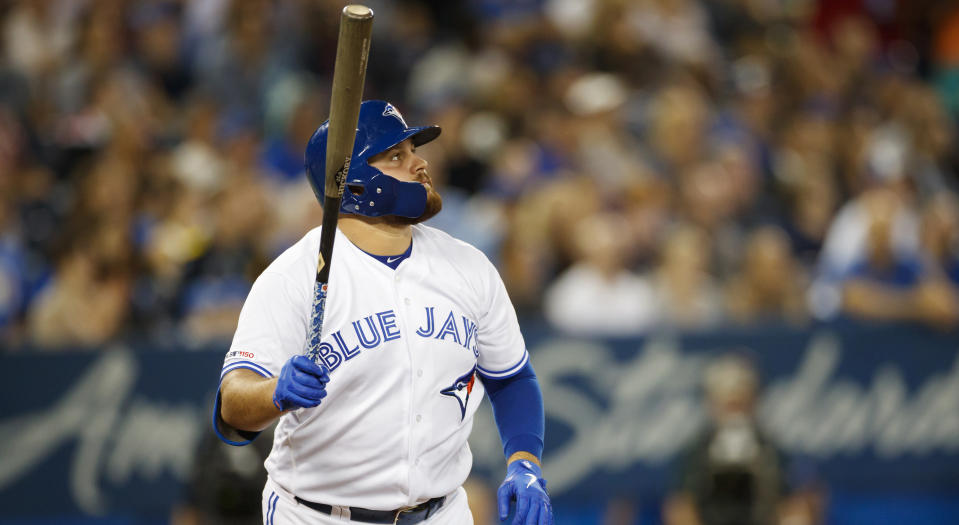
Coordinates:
[518,412]
[247,400]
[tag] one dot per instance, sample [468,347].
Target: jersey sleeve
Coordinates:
[499,342]
[271,329]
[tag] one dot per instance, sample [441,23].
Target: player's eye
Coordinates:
[396,156]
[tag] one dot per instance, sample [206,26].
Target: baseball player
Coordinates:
[418,326]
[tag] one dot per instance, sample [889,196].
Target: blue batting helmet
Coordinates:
[369,191]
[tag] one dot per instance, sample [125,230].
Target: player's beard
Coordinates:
[434,203]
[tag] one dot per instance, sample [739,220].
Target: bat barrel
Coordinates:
[349,75]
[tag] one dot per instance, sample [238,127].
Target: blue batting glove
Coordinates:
[524,483]
[302,384]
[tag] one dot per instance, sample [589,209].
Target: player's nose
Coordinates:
[419,163]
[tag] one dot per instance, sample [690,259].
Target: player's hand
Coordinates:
[524,483]
[301,384]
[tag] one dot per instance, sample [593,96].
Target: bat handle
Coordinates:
[316,323]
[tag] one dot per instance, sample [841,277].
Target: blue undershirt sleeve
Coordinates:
[518,410]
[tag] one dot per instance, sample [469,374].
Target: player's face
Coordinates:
[402,163]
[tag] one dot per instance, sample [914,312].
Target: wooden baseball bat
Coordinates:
[349,75]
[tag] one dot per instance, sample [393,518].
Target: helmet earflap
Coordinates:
[379,194]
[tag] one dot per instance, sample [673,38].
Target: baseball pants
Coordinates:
[279,508]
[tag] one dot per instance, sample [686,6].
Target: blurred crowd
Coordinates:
[629,165]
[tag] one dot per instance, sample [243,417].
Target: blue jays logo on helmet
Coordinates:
[391,111]
[461,389]
[369,191]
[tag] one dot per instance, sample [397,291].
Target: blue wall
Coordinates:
[870,412]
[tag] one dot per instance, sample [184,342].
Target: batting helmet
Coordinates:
[369,191]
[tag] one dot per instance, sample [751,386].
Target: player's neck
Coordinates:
[376,235]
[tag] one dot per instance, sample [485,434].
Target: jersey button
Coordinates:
[407,301]
[419,418]
[419,373]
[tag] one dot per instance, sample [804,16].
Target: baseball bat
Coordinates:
[349,75]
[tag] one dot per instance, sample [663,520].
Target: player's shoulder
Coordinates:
[299,259]
[450,247]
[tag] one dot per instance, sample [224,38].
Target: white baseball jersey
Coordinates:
[402,347]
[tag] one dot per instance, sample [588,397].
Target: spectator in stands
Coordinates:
[885,159]
[218,280]
[13,271]
[812,198]
[457,167]
[550,110]
[98,49]
[678,127]
[707,197]
[939,295]
[158,47]
[86,301]
[538,242]
[686,294]
[648,209]
[891,285]
[293,206]
[676,29]
[929,136]
[940,235]
[37,36]
[249,59]
[196,160]
[168,232]
[598,295]
[604,150]
[760,291]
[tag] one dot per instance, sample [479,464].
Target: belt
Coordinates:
[405,515]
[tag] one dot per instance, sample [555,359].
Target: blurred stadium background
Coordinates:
[700,208]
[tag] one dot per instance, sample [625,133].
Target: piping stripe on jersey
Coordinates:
[266,513]
[245,364]
[509,371]
[276,499]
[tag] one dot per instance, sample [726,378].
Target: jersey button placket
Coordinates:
[413,438]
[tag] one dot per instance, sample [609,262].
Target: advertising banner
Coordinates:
[853,407]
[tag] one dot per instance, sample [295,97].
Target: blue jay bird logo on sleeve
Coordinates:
[460,390]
